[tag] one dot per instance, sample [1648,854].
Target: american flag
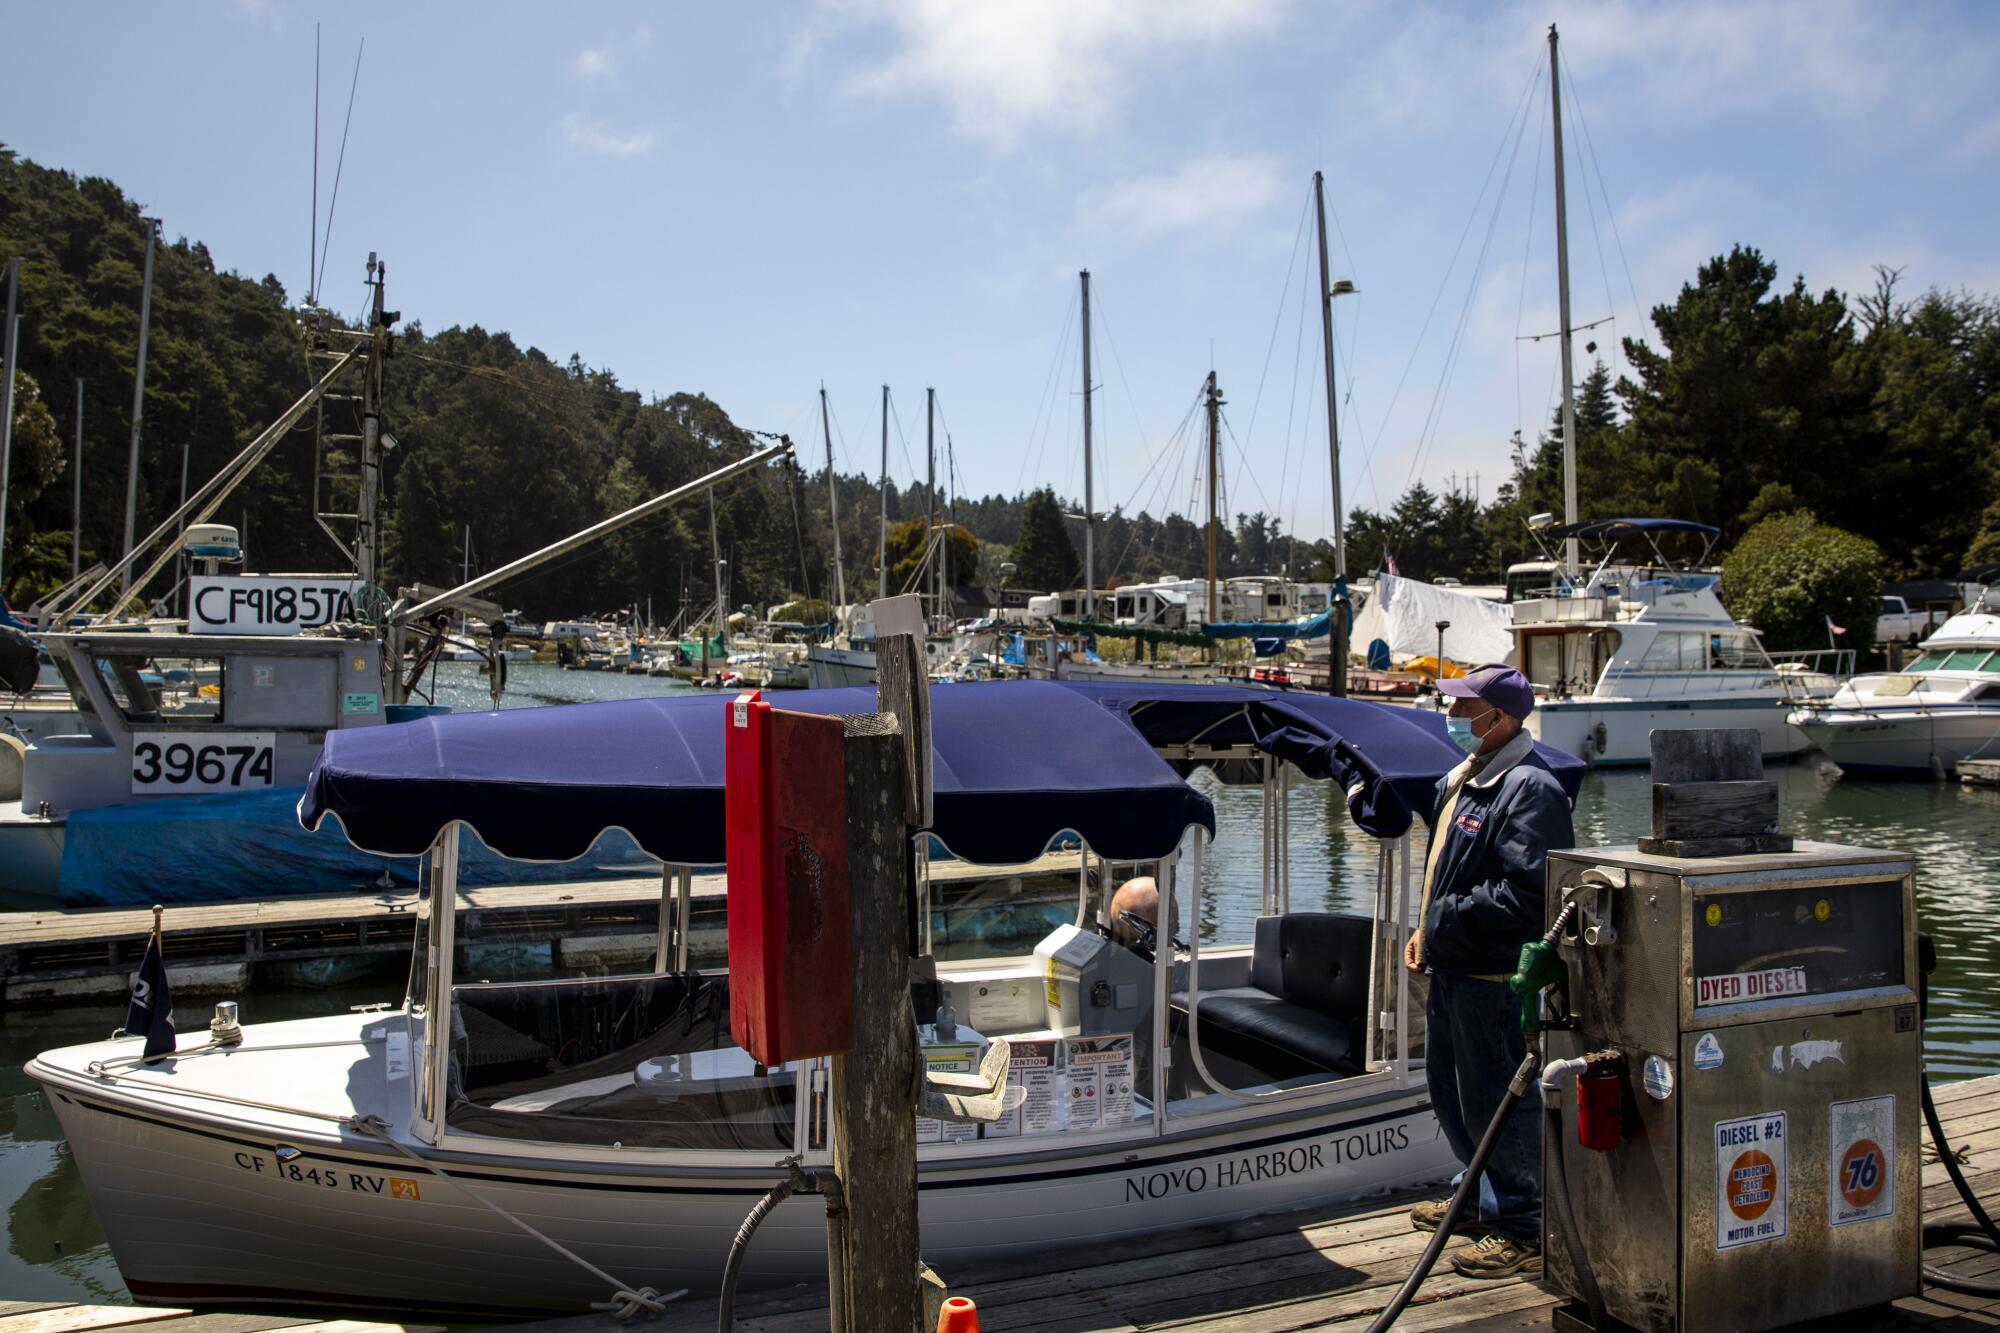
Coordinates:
[1832,628]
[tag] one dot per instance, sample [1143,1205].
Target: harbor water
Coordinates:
[54,1251]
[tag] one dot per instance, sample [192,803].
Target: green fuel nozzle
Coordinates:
[1540,966]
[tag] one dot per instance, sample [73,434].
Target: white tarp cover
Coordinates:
[1405,613]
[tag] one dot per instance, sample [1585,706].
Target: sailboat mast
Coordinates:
[715,554]
[138,414]
[1089,495]
[1336,644]
[1562,298]
[883,539]
[930,497]
[1214,396]
[833,510]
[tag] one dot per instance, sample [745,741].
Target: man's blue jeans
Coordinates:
[1473,1045]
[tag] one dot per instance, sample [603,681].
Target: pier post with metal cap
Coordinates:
[874,1128]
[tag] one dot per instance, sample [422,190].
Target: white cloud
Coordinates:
[1201,194]
[1869,73]
[588,135]
[600,63]
[1004,66]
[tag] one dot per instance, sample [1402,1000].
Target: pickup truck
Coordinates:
[1896,622]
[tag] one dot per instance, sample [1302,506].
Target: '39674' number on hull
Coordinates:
[202,761]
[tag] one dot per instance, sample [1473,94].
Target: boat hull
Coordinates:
[1917,743]
[838,668]
[1615,732]
[198,1214]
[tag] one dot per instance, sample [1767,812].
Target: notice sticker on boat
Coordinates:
[1750,1180]
[353,704]
[1742,987]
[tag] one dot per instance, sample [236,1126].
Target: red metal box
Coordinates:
[791,964]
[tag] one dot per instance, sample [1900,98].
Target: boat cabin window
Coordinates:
[1737,650]
[1676,652]
[1965,659]
[163,690]
[1927,662]
[1569,659]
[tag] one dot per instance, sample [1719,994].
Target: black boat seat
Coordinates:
[1304,1011]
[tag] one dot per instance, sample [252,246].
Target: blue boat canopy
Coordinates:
[1613,529]
[1015,765]
[1387,759]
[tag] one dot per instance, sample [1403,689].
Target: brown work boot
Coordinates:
[1498,1256]
[1427,1215]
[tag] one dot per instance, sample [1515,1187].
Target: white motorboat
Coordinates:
[1920,721]
[433,1156]
[1649,644]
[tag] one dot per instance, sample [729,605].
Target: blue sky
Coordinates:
[746,200]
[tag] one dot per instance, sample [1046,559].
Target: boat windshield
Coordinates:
[1956,659]
[163,690]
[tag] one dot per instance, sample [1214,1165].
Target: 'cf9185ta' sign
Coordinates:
[267,603]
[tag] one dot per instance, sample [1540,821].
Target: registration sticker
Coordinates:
[1861,1151]
[1750,1180]
[1740,987]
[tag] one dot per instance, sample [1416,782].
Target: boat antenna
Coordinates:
[319,278]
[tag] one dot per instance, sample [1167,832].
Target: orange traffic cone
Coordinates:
[958,1316]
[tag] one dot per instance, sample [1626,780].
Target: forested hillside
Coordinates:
[1876,414]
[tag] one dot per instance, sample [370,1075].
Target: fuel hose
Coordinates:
[1523,1079]
[1980,1234]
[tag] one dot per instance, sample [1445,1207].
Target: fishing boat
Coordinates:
[1646,643]
[1921,721]
[511,1146]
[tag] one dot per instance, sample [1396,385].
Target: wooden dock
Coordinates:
[55,957]
[1326,1269]
[57,1317]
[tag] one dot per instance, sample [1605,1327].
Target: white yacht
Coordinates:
[1647,644]
[433,1156]
[1920,721]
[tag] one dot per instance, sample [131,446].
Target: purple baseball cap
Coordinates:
[1498,684]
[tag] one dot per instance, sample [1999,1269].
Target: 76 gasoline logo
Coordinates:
[1861,1173]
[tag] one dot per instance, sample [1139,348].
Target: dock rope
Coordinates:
[625,1304]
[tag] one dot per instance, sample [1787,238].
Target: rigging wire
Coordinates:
[319,281]
[1434,417]
[1291,407]
[1277,320]
[1638,310]
[1521,302]
[1527,92]
[1596,240]
[1138,421]
[1044,405]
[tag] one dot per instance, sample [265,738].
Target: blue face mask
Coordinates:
[1459,729]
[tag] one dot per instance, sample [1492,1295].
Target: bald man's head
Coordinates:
[1140,897]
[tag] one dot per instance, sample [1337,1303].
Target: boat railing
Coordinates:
[1806,675]
[1794,679]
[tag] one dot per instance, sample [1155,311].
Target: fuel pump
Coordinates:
[1734,1084]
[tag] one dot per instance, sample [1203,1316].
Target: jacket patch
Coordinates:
[1468,823]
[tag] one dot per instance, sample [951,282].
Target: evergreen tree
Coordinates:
[1044,557]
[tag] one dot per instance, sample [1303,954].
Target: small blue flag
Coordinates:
[151,1012]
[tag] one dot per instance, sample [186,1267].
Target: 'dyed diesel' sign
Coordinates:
[267,603]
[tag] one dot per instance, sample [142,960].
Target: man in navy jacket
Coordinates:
[1497,817]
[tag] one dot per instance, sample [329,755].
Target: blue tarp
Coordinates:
[1388,759]
[203,849]
[1015,765]
[1318,627]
